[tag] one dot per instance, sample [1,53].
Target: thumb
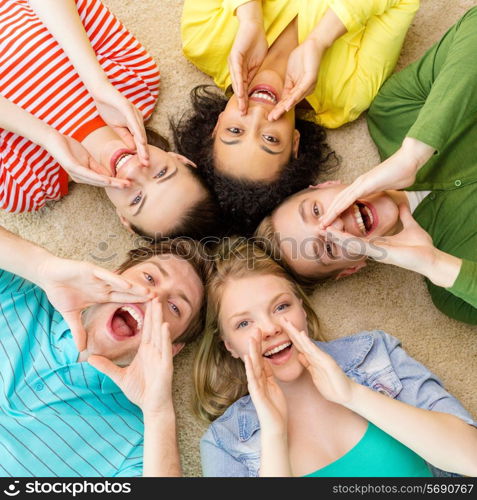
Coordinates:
[126,137]
[406,216]
[106,366]
[303,360]
[77,330]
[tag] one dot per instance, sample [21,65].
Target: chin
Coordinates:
[289,372]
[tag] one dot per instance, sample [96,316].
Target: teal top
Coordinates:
[376,454]
[58,417]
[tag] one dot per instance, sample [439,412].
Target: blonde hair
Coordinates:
[219,378]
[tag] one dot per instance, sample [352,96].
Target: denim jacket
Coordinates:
[231,445]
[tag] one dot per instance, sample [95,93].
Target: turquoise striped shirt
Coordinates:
[58,417]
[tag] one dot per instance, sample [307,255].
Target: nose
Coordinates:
[338,224]
[133,171]
[270,328]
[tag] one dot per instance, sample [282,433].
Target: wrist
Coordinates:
[40,260]
[159,414]
[250,12]
[355,394]
[443,268]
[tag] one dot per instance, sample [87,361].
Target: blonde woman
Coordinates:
[286,403]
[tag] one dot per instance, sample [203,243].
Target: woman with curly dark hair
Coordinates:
[330,57]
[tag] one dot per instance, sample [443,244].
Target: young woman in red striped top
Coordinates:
[75,88]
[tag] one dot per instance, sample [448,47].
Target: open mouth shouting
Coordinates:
[126,322]
[365,217]
[265,94]
[280,353]
[119,159]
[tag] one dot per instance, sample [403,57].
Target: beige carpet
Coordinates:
[83,225]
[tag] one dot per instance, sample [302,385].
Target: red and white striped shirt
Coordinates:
[37,75]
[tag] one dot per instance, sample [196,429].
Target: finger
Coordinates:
[126,136]
[343,201]
[113,279]
[157,325]
[276,112]
[77,330]
[257,362]
[405,215]
[87,176]
[147,325]
[352,245]
[294,334]
[106,366]
[251,380]
[127,298]
[304,361]
[166,343]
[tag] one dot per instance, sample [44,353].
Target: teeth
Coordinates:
[369,214]
[122,160]
[135,315]
[359,219]
[278,349]
[260,94]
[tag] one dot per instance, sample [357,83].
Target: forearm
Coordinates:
[161,453]
[441,439]
[250,11]
[274,455]
[21,257]
[20,122]
[329,29]
[63,21]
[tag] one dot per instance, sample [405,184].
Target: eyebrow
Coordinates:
[271,301]
[267,150]
[163,271]
[162,179]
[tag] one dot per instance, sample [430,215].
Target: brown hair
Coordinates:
[192,252]
[219,379]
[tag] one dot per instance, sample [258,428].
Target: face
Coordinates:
[251,147]
[114,330]
[306,252]
[155,200]
[257,305]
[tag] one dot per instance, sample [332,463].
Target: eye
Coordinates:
[234,130]
[316,211]
[282,307]
[136,200]
[160,174]
[149,278]
[242,324]
[271,139]
[174,309]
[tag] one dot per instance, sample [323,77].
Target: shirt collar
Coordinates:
[348,352]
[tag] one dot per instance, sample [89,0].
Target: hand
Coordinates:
[328,377]
[147,381]
[246,56]
[79,164]
[72,286]
[126,120]
[397,172]
[301,76]
[412,248]
[267,397]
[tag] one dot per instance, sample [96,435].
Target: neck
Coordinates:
[277,55]
[300,390]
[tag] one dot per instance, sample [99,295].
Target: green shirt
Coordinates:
[434,100]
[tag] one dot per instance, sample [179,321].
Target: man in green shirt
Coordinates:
[423,122]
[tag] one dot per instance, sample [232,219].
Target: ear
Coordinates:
[182,159]
[217,124]
[296,143]
[177,348]
[324,184]
[125,222]
[351,270]
[229,348]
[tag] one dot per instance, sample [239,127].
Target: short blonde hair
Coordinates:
[219,379]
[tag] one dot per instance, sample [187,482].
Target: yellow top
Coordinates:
[352,70]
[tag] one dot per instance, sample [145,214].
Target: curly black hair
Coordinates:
[201,220]
[243,202]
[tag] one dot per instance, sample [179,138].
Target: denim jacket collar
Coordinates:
[348,352]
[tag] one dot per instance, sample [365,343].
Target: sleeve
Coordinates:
[216,462]
[11,283]
[130,471]
[420,387]
[354,14]
[233,5]
[459,301]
